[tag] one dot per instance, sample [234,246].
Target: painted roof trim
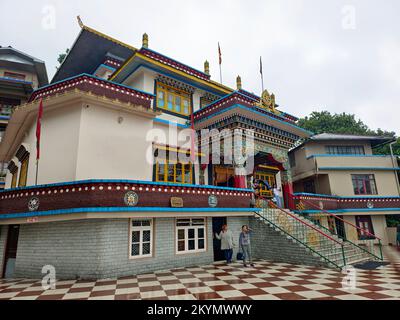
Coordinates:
[348,155]
[344,197]
[349,210]
[121,209]
[98,181]
[357,169]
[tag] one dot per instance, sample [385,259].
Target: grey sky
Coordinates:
[311,62]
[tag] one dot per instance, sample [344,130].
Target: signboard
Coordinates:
[176,202]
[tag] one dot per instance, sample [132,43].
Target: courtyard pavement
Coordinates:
[266,281]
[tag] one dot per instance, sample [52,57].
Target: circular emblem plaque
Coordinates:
[212,201]
[131,199]
[33,204]
[370,205]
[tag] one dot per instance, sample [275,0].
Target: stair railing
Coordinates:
[339,228]
[305,233]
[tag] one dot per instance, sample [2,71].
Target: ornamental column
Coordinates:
[240,178]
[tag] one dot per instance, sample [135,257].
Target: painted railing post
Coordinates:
[344,256]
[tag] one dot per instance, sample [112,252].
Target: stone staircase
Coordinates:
[316,240]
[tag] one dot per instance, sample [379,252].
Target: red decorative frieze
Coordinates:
[98,194]
[97,86]
[310,202]
[173,63]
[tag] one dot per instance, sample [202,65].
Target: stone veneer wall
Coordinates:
[3,240]
[93,249]
[269,244]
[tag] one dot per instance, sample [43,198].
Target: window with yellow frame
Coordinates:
[14,179]
[173,100]
[174,172]
[23,175]
[270,178]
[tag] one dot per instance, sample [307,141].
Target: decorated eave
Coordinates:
[112,197]
[249,106]
[168,67]
[173,63]
[97,86]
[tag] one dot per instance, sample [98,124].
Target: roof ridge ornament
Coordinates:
[267,101]
[80,22]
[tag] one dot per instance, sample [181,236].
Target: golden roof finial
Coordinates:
[80,21]
[239,83]
[145,40]
[207,67]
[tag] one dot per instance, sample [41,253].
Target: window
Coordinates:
[13,75]
[190,235]
[309,186]
[141,238]
[367,229]
[364,184]
[167,171]
[270,178]
[14,179]
[204,101]
[23,172]
[174,100]
[357,150]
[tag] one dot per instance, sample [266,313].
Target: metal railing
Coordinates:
[338,227]
[307,234]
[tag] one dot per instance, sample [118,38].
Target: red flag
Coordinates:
[220,54]
[38,129]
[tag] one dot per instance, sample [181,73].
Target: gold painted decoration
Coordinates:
[300,206]
[267,101]
[312,239]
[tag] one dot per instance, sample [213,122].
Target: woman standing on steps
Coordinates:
[227,244]
[245,246]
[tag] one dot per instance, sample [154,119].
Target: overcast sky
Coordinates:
[341,56]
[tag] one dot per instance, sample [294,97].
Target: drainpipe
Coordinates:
[394,160]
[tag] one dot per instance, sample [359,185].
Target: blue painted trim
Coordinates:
[121,209]
[16,80]
[347,155]
[104,66]
[348,210]
[171,123]
[158,70]
[339,197]
[152,183]
[5,118]
[257,112]
[92,76]
[359,168]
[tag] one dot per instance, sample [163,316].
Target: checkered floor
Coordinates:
[266,281]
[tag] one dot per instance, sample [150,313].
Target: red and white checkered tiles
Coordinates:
[267,281]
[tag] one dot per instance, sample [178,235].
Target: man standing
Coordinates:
[245,246]
[226,238]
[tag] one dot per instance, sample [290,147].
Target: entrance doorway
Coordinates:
[341,232]
[217,227]
[11,251]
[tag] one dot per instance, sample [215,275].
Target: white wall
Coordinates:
[112,150]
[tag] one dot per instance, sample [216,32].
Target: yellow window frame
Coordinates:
[14,179]
[270,178]
[176,93]
[23,176]
[166,165]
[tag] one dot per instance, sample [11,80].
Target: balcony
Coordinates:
[314,203]
[118,196]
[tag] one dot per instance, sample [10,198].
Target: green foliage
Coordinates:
[62,56]
[344,123]
[393,221]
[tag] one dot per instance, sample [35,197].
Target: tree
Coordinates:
[344,123]
[62,56]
